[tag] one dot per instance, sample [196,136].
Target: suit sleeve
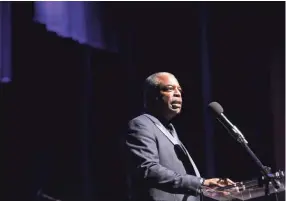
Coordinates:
[143,156]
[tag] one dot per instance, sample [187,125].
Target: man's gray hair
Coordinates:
[151,87]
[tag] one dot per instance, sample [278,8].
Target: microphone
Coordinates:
[232,129]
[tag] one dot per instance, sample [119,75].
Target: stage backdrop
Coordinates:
[73,90]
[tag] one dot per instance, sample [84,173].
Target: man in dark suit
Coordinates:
[159,166]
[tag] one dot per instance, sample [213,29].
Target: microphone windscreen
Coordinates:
[216,108]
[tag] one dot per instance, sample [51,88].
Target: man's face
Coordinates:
[170,95]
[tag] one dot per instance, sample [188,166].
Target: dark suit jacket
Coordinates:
[158,168]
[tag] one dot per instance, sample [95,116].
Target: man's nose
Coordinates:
[177,92]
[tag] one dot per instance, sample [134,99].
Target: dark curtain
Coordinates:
[54,107]
[68,104]
[245,39]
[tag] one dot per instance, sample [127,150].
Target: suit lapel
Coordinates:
[174,139]
[163,129]
[167,134]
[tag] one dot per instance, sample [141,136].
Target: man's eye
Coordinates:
[168,88]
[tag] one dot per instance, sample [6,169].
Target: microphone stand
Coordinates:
[267,175]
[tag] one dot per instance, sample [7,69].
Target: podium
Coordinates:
[247,190]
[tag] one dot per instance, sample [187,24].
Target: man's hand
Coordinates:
[216,182]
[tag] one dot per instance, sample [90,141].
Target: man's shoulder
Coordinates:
[141,125]
[141,119]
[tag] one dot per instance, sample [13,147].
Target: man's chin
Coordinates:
[172,112]
[176,110]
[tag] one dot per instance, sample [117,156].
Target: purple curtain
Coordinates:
[5,42]
[85,22]
[207,91]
